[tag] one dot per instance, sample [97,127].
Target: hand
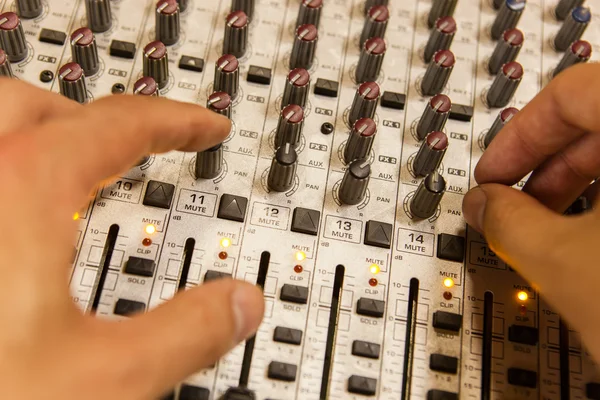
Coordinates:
[53,152]
[557,136]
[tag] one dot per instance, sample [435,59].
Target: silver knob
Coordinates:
[29,8]
[374,3]
[297,84]
[375,24]
[440,8]
[289,127]
[247,6]
[99,15]
[564,7]
[579,52]
[72,82]
[145,86]
[183,5]
[283,169]
[227,75]
[305,46]
[437,73]
[209,163]
[430,154]
[360,141]
[5,69]
[508,17]
[502,119]
[434,116]
[507,49]
[156,63]
[428,196]
[236,34]
[573,27]
[441,37]
[12,37]
[355,182]
[85,51]
[167,23]
[505,85]
[371,59]
[310,13]
[220,102]
[364,104]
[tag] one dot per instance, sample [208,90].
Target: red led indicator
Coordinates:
[223,255]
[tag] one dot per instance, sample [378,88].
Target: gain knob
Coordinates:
[430,154]
[375,24]
[507,49]
[305,46]
[310,13]
[12,37]
[99,15]
[370,61]
[508,17]
[220,102]
[72,82]
[502,119]
[29,8]
[564,7]
[579,52]
[374,3]
[434,116]
[289,127]
[505,85]
[156,63]
[441,37]
[236,34]
[573,27]
[283,169]
[355,182]
[247,6]
[5,69]
[227,75]
[438,72]
[297,84]
[364,103]
[439,9]
[145,86]
[427,198]
[167,24]
[85,51]
[209,163]
[360,141]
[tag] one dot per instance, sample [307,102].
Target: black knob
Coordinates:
[5,69]
[236,34]
[579,52]
[371,59]
[183,5]
[247,6]
[297,84]
[374,3]
[85,51]
[220,102]
[355,182]
[289,127]
[364,104]
[573,27]
[428,196]
[375,24]
[156,63]
[564,7]
[227,75]
[209,163]
[283,169]
[435,115]
[502,119]
[440,8]
[508,17]
[310,13]
[360,141]
[507,49]
[430,154]
[99,15]
[29,8]
[441,37]
[438,72]
[305,46]
[12,37]
[72,82]
[505,85]
[168,25]
[145,86]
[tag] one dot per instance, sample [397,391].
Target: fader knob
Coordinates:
[374,3]
[167,24]
[364,103]
[220,102]
[156,63]
[247,6]
[305,46]
[579,52]
[12,37]
[85,51]
[438,72]
[236,34]
[428,196]
[297,84]
[209,163]
[5,69]
[183,5]
[430,154]
[29,8]
[375,24]
[283,169]
[355,182]
[564,7]
[371,59]
[289,127]
[145,86]
[227,75]
[573,27]
[72,82]
[310,13]
[434,116]
[502,119]
[99,15]
[441,37]
[360,141]
[439,9]
[507,49]
[508,17]
[505,85]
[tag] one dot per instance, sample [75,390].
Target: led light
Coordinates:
[150,229]
[300,256]
[75,216]
[448,282]
[522,296]
[374,268]
[225,242]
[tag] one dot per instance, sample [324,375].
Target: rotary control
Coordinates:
[360,141]
[305,46]
[505,85]
[310,13]
[441,37]
[508,17]
[374,3]
[29,8]
[209,163]
[428,196]
[289,127]
[573,27]
[12,37]
[439,9]
[434,116]
[430,154]
[145,86]
[364,103]
[297,84]
[375,24]
[506,50]
[371,59]
[236,34]
[85,51]
[220,102]
[355,182]
[227,75]
[502,119]
[283,169]
[99,15]
[156,63]
[564,7]
[183,5]
[247,6]
[72,82]
[579,52]
[5,69]
[168,25]
[438,72]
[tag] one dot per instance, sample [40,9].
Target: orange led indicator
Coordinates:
[298,269]
[522,296]
[150,229]
[225,242]
[75,216]
[448,282]
[373,282]
[300,256]
[223,255]
[147,241]
[374,269]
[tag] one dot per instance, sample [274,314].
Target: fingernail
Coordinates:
[248,306]
[474,208]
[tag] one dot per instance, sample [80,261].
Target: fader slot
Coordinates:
[565,371]
[411,331]
[188,252]
[486,358]
[107,252]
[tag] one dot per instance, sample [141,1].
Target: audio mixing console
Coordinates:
[356,130]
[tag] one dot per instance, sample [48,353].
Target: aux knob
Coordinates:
[168,25]
[99,15]
[297,84]
[375,24]
[437,73]
[374,3]
[439,9]
[573,27]
[29,8]
[355,182]
[145,86]
[156,63]
[430,154]
[507,49]
[220,102]
[370,61]
[227,75]
[72,82]
[236,34]
[360,141]
[564,7]
[305,46]
[310,13]
[441,37]
[434,116]
[505,85]
[247,6]
[5,69]
[209,163]
[283,169]
[289,127]
[508,17]
[364,103]
[85,51]
[12,37]
[427,198]
[502,119]
[579,52]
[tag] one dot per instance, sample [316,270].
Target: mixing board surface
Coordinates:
[356,131]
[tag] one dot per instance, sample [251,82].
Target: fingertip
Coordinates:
[248,309]
[474,204]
